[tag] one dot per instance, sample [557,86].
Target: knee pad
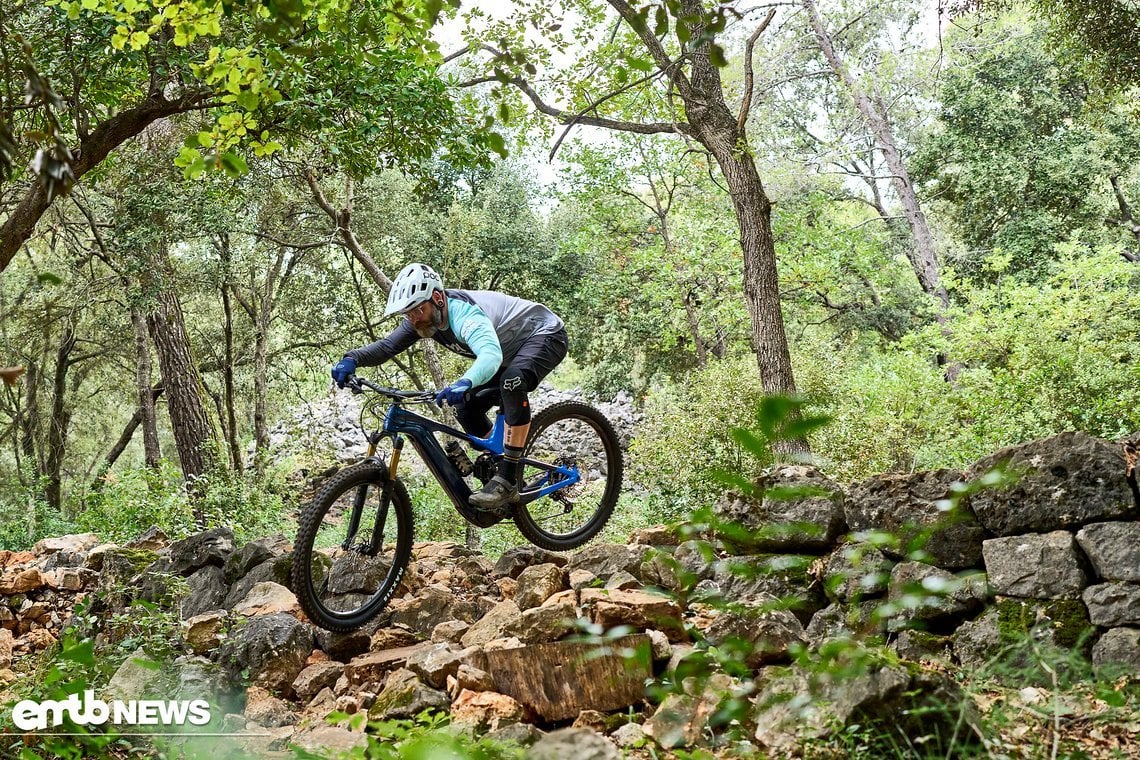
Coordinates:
[516,406]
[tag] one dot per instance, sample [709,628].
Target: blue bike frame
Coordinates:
[420,430]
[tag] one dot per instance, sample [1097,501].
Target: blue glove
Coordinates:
[453,394]
[342,370]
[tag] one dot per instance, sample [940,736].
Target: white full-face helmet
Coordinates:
[412,286]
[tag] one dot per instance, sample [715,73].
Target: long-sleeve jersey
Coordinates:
[487,326]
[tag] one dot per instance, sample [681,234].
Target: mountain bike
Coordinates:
[355,539]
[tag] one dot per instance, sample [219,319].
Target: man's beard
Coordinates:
[433,327]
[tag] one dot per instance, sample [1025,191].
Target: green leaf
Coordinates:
[497,144]
[716,56]
[640,64]
[247,99]
[233,164]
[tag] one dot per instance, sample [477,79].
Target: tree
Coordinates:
[356,80]
[677,44]
[1022,156]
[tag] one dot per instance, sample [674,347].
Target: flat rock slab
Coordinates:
[558,680]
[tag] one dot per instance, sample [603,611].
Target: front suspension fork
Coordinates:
[385,498]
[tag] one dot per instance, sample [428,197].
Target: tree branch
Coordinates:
[746,104]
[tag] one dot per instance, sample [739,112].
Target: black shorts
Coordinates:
[537,357]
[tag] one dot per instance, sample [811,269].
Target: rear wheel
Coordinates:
[344,574]
[575,435]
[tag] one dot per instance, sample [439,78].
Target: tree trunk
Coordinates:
[194,436]
[124,440]
[921,254]
[60,419]
[230,416]
[152,453]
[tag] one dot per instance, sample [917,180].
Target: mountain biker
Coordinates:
[515,344]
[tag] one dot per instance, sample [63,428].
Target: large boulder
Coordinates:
[918,510]
[253,554]
[795,509]
[271,649]
[206,591]
[577,743]
[405,696]
[513,561]
[1036,566]
[423,612]
[1113,548]
[538,583]
[1065,481]
[763,576]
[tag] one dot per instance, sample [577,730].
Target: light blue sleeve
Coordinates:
[468,322]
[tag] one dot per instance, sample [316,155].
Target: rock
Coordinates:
[637,609]
[422,613]
[449,631]
[1118,648]
[482,711]
[274,570]
[316,677]
[577,743]
[207,591]
[921,592]
[68,578]
[37,640]
[266,710]
[977,641]
[439,550]
[603,560]
[435,662]
[1066,481]
[798,510]
[327,741]
[253,554]
[268,598]
[20,581]
[921,646]
[661,648]
[404,696]
[373,666]
[204,633]
[766,633]
[342,647]
[1113,605]
[211,547]
[492,625]
[514,561]
[271,648]
[543,624]
[855,571]
[199,678]
[1037,566]
[786,577]
[580,579]
[655,535]
[538,583]
[916,508]
[76,543]
[682,719]
[6,640]
[1113,548]
[472,678]
[137,678]
[393,637]
[927,707]
[523,734]
[629,735]
[152,539]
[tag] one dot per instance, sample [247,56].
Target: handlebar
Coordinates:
[357,384]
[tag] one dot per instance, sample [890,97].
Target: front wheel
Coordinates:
[352,548]
[570,435]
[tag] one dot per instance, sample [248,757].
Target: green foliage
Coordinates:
[133,501]
[427,737]
[1023,154]
[27,519]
